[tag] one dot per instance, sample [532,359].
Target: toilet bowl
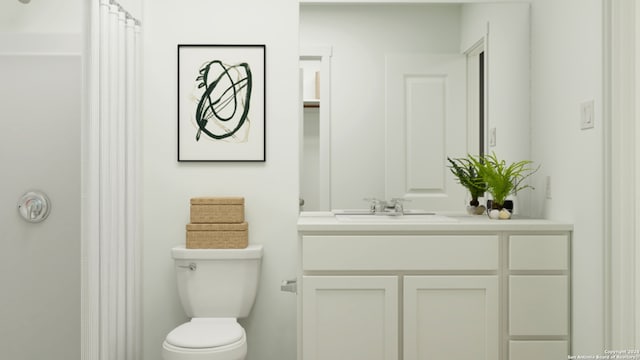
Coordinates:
[216,287]
[206,339]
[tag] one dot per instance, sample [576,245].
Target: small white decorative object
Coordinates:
[476,210]
[504,214]
[494,214]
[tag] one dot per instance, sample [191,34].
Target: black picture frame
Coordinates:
[221,103]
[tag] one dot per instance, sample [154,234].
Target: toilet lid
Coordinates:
[206,333]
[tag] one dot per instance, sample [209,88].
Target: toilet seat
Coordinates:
[201,333]
[206,338]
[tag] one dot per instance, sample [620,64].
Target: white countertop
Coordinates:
[326,221]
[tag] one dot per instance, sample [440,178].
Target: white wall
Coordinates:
[133,7]
[270,188]
[60,16]
[40,98]
[360,36]
[566,65]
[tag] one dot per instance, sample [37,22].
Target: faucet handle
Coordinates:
[375,204]
[397,204]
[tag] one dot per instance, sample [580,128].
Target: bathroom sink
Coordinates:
[360,212]
[394,219]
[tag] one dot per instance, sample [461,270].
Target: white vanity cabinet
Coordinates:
[352,306]
[484,291]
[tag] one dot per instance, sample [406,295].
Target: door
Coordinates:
[350,317]
[425,105]
[451,317]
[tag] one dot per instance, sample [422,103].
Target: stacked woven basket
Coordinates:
[217,223]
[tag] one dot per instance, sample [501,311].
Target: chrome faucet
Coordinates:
[383,207]
[396,205]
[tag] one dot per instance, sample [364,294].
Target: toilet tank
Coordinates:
[217,282]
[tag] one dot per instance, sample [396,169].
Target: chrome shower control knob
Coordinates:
[34,206]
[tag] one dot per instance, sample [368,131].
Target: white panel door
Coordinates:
[425,105]
[451,317]
[350,317]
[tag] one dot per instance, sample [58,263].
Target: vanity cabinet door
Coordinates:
[539,305]
[350,317]
[451,317]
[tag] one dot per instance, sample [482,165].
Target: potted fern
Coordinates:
[468,176]
[502,180]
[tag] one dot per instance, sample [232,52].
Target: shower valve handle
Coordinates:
[34,206]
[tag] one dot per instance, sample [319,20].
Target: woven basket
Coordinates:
[217,210]
[217,236]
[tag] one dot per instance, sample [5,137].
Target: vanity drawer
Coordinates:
[402,252]
[538,349]
[539,252]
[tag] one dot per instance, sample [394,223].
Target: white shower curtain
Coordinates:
[111,273]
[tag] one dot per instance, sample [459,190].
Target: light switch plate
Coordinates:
[492,136]
[586,115]
[548,187]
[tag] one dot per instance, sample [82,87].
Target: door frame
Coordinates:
[323,54]
[474,126]
[621,89]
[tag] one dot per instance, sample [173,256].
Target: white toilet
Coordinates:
[216,286]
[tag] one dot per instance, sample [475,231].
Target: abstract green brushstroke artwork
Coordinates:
[221,97]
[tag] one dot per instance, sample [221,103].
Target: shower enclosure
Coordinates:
[69,98]
[40,100]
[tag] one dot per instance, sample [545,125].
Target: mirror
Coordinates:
[405,91]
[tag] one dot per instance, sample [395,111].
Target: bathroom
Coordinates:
[567,62]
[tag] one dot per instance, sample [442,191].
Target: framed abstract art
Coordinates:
[221,103]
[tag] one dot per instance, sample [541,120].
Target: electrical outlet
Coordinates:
[586,115]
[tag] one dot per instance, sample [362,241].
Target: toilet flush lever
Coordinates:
[289,286]
[191,266]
